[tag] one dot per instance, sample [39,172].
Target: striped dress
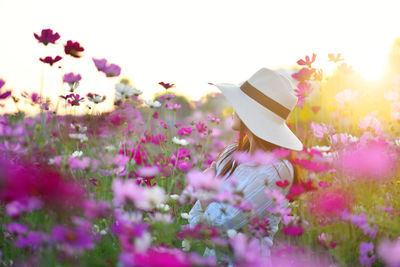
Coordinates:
[250,179]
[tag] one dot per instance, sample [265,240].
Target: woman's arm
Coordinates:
[199,207]
[226,216]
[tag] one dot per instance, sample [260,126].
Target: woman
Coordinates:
[261,106]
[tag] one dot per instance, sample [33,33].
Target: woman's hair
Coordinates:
[244,145]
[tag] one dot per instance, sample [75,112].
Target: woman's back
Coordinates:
[252,181]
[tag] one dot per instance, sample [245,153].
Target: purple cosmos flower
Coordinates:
[5,95]
[367,256]
[112,70]
[75,100]
[100,63]
[2,82]
[15,227]
[166,97]
[71,78]
[71,240]
[33,97]
[47,36]
[166,85]
[73,49]
[31,239]
[50,60]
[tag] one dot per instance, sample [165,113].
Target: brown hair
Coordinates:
[244,145]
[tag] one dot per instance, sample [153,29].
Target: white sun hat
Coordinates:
[263,103]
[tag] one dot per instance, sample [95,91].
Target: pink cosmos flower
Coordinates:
[155,257]
[292,230]
[50,60]
[148,171]
[47,36]
[302,91]
[185,131]
[307,61]
[201,127]
[371,122]
[24,181]
[201,180]
[173,106]
[320,129]
[73,49]
[76,163]
[389,251]
[248,251]
[259,157]
[328,203]
[375,160]
[303,74]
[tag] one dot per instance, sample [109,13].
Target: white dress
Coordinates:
[250,179]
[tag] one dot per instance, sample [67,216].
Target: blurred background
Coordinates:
[191,43]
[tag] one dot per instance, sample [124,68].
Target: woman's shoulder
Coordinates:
[281,169]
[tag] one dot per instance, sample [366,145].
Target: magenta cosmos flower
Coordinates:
[50,60]
[3,95]
[73,49]
[47,36]
[166,85]
[75,100]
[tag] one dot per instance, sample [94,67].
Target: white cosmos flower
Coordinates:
[125,91]
[109,148]
[391,96]
[346,96]
[178,141]
[185,245]
[143,242]
[397,142]
[231,233]
[164,207]
[186,216]
[78,127]
[77,154]
[174,196]
[81,137]
[152,104]
[322,148]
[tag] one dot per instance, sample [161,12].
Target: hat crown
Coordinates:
[275,86]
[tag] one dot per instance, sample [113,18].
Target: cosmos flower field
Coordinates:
[115,188]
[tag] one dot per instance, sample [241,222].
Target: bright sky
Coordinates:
[189,43]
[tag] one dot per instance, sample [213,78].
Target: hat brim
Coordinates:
[262,122]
